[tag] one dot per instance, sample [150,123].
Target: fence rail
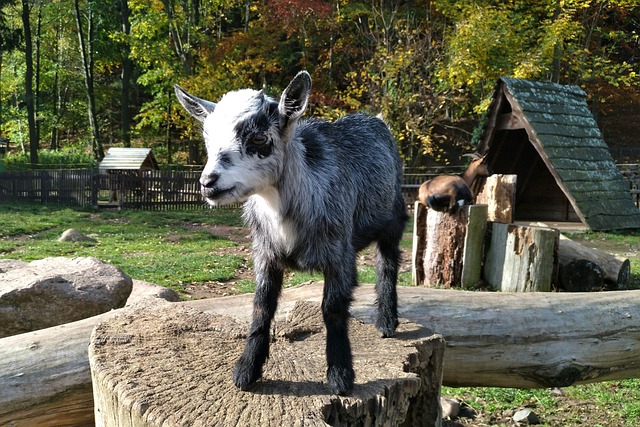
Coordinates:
[152,190]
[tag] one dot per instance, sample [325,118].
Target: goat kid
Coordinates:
[311,202]
[449,193]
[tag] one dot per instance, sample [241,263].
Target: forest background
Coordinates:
[79,76]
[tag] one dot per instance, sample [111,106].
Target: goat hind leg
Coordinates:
[387,260]
[256,351]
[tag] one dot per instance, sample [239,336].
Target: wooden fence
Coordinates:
[149,190]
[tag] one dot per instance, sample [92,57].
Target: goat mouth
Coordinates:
[216,194]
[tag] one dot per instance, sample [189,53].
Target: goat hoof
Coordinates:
[387,327]
[245,374]
[341,380]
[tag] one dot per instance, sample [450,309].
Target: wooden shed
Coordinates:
[546,135]
[119,159]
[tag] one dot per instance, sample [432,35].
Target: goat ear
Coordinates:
[198,108]
[294,99]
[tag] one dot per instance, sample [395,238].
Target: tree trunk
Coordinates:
[494,339]
[28,83]
[127,74]
[86,54]
[54,143]
[521,259]
[397,379]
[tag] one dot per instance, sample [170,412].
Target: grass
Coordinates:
[164,248]
[157,247]
[611,403]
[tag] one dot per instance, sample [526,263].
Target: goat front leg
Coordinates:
[340,279]
[256,351]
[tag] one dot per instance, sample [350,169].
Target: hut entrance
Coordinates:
[538,196]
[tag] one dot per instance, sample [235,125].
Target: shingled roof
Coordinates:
[545,133]
[119,158]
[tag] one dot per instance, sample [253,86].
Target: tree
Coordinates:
[85,42]
[28,83]
[127,75]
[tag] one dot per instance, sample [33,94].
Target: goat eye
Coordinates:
[258,139]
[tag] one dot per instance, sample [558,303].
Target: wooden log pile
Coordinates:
[578,338]
[510,257]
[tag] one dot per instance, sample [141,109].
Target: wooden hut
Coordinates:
[136,159]
[124,169]
[546,134]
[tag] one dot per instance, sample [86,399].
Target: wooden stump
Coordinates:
[498,192]
[448,247]
[521,259]
[173,367]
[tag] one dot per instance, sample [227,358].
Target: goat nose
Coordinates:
[209,180]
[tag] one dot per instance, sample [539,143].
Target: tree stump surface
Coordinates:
[172,366]
[498,192]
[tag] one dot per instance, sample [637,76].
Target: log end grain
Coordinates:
[173,366]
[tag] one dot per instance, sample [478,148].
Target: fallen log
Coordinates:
[171,365]
[524,340]
[616,270]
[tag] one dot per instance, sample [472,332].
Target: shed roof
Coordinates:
[560,127]
[119,158]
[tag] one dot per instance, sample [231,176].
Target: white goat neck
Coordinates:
[268,205]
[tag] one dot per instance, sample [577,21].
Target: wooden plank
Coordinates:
[473,253]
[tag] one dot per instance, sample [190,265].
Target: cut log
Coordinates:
[444,240]
[521,259]
[494,339]
[172,366]
[444,254]
[580,275]
[616,270]
[498,192]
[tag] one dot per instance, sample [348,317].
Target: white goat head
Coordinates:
[245,134]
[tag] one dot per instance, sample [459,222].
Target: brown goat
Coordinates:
[448,193]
